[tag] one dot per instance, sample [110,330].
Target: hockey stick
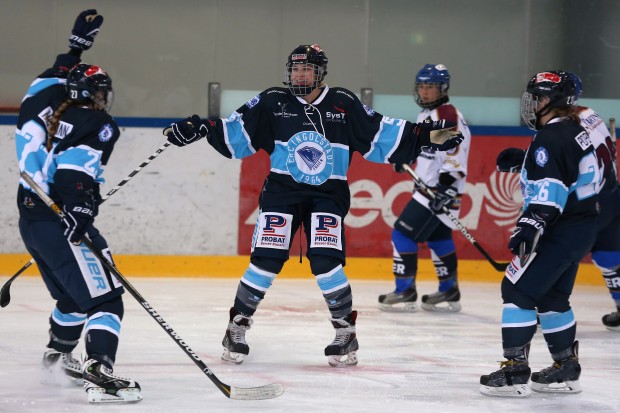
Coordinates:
[499,266]
[268,391]
[612,129]
[5,293]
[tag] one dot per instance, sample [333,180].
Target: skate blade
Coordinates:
[450,307]
[233,357]
[516,390]
[408,307]
[612,328]
[339,361]
[98,395]
[564,387]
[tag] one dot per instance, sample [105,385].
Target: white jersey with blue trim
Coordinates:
[310,145]
[561,178]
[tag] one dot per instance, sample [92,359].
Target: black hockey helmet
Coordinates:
[88,83]
[310,55]
[557,85]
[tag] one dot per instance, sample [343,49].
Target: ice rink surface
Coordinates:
[415,362]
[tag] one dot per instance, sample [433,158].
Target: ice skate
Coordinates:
[612,321]
[104,387]
[342,351]
[235,347]
[69,368]
[509,381]
[447,301]
[399,302]
[561,377]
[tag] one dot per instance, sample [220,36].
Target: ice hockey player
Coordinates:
[310,131]
[560,181]
[606,249]
[64,138]
[423,219]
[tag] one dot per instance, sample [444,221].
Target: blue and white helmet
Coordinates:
[433,74]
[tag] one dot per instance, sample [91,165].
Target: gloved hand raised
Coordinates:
[78,217]
[85,29]
[510,160]
[444,196]
[186,131]
[437,135]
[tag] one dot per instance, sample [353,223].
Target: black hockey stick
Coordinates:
[268,391]
[499,266]
[5,293]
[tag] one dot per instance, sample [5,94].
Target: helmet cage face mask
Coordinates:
[432,74]
[529,103]
[302,88]
[305,57]
[90,84]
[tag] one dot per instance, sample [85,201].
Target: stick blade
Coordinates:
[5,296]
[269,391]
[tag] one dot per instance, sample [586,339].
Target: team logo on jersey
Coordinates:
[542,156]
[368,110]
[106,133]
[253,102]
[310,158]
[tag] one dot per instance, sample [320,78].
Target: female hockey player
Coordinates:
[560,182]
[64,138]
[423,219]
[310,132]
[606,249]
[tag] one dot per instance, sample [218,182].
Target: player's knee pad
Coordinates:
[609,264]
[66,305]
[511,294]
[114,306]
[442,247]
[403,243]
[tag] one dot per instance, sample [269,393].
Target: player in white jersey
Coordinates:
[423,219]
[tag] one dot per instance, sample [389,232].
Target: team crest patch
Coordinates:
[253,102]
[106,133]
[368,110]
[542,156]
[310,158]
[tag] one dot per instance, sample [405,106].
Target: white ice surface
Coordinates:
[420,362]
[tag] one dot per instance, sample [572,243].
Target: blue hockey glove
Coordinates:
[78,217]
[530,227]
[510,160]
[444,196]
[437,135]
[186,131]
[85,29]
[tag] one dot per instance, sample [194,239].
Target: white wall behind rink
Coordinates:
[185,202]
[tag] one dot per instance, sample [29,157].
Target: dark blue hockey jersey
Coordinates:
[311,145]
[80,149]
[560,178]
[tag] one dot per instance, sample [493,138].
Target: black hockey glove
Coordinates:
[398,167]
[437,135]
[78,217]
[530,227]
[444,196]
[85,29]
[186,131]
[510,160]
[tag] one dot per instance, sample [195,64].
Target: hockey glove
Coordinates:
[78,217]
[85,29]
[437,135]
[186,131]
[444,196]
[510,160]
[530,227]
[398,167]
